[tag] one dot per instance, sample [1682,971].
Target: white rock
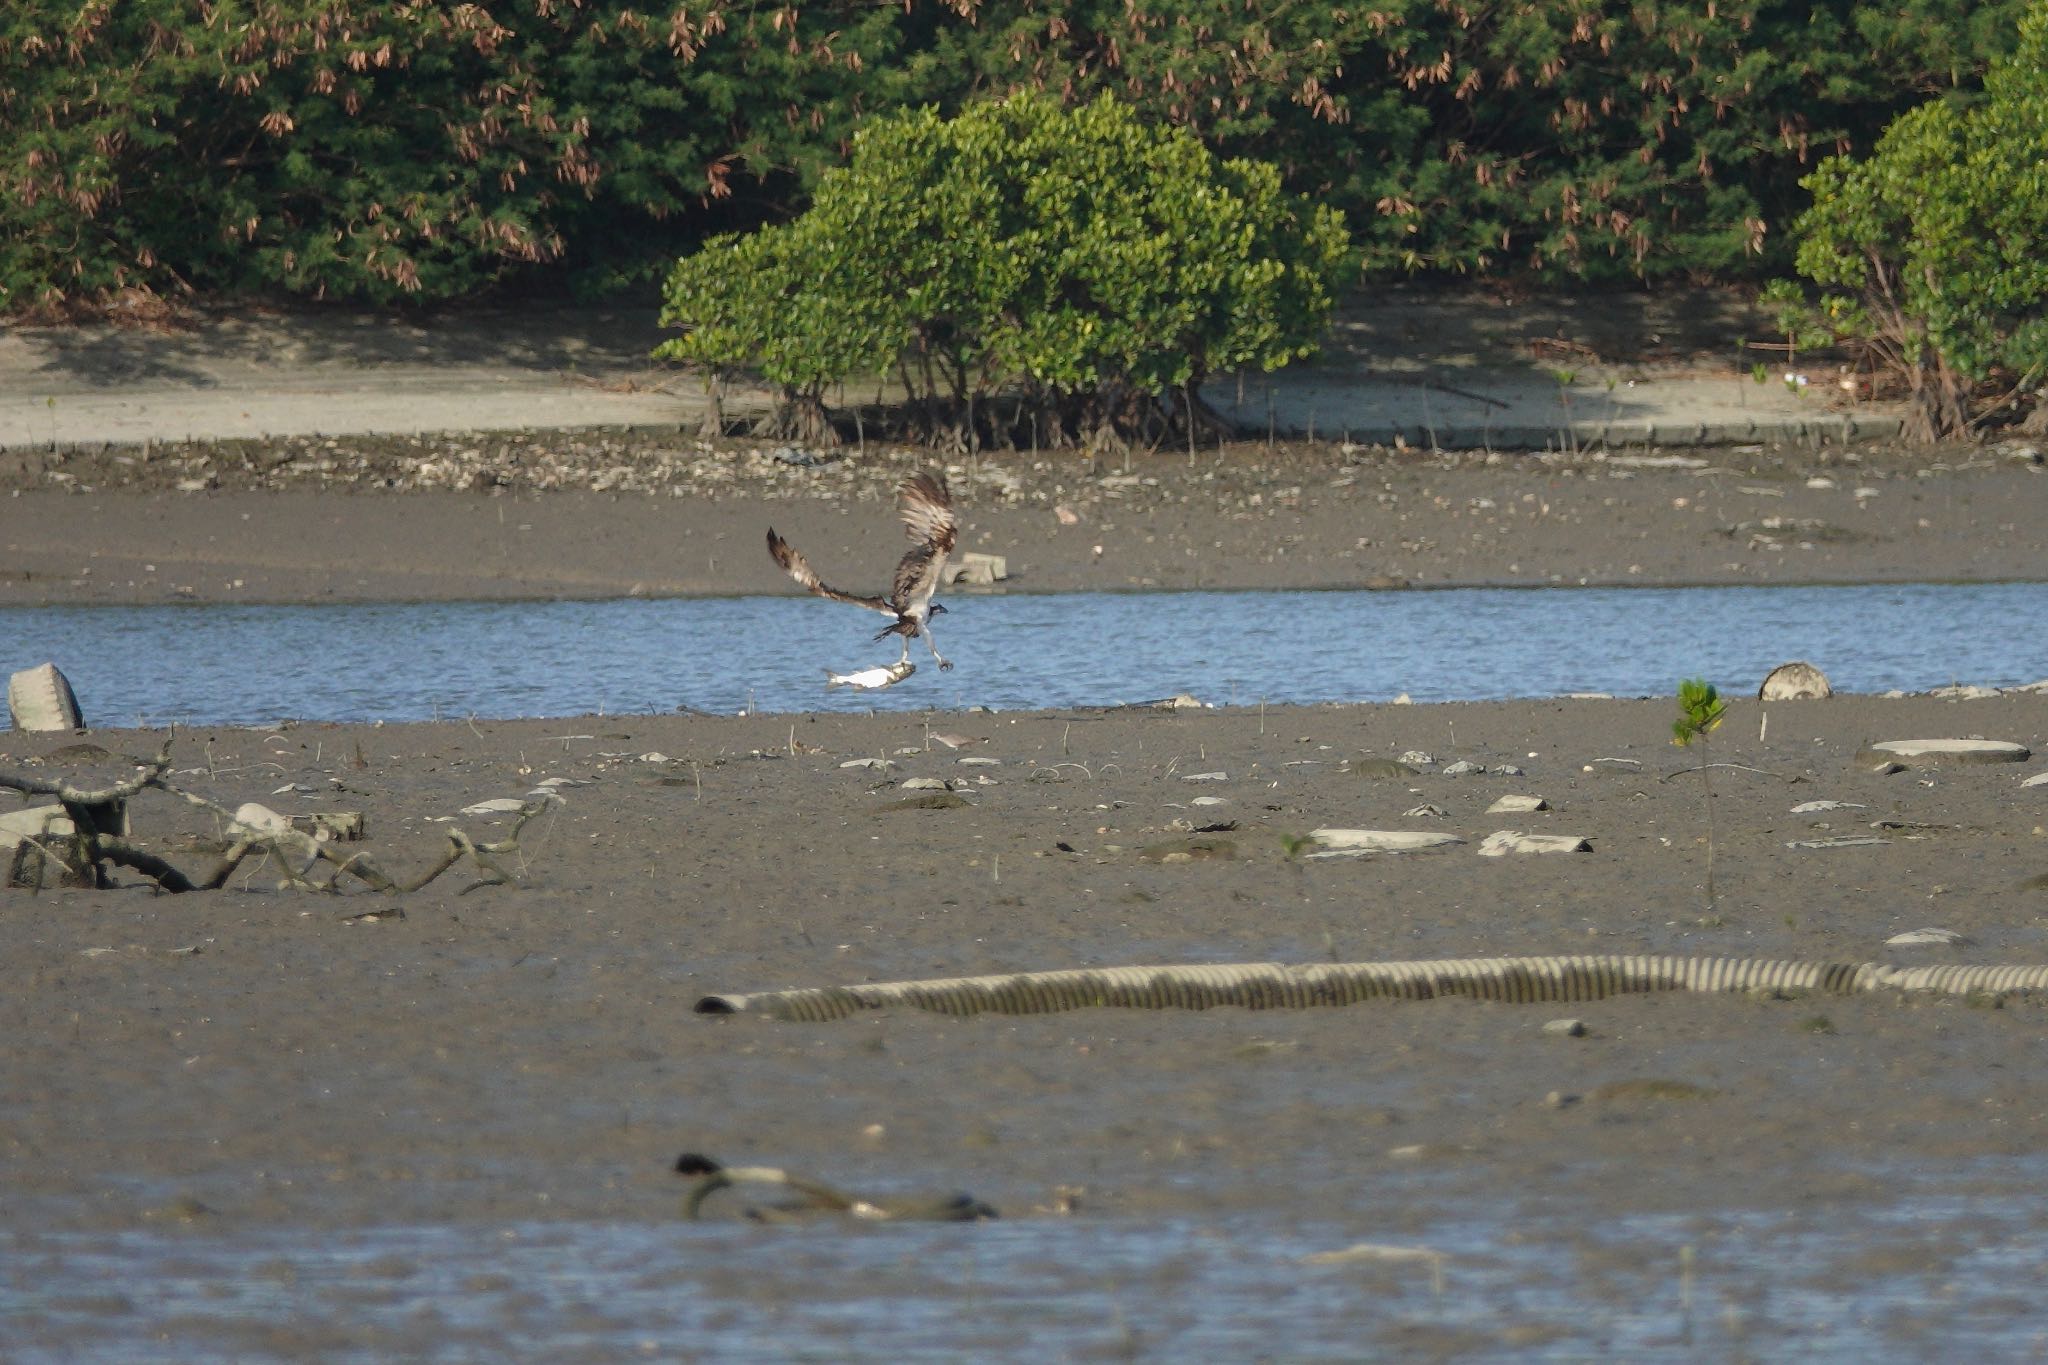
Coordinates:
[976,568]
[33,822]
[1815,807]
[1415,758]
[878,764]
[923,784]
[1464,767]
[1503,842]
[1963,692]
[1922,752]
[1926,938]
[981,762]
[1210,801]
[1512,804]
[1838,841]
[1796,681]
[259,819]
[40,698]
[2037,780]
[497,805]
[1354,843]
[1205,777]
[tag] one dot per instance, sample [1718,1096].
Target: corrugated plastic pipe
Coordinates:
[1272,985]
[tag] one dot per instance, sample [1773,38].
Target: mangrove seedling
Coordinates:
[1700,709]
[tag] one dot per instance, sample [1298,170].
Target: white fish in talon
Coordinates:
[927,512]
[879,676]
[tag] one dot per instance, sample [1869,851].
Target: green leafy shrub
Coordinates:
[1932,253]
[1072,272]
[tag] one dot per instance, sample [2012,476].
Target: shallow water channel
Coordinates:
[1961,1282]
[231,664]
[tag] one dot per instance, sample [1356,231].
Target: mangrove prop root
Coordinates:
[1271,985]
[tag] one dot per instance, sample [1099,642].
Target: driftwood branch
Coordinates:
[98,823]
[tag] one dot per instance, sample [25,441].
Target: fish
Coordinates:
[876,677]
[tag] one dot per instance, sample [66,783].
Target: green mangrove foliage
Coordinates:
[403,151]
[1025,272]
[397,150]
[1932,253]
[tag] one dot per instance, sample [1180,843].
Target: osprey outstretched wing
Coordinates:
[927,511]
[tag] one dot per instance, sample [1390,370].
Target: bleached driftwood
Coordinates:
[95,814]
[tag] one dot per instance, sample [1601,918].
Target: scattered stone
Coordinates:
[1503,842]
[497,805]
[1927,938]
[260,819]
[24,836]
[1509,770]
[1426,811]
[981,762]
[1815,807]
[1464,767]
[34,822]
[1837,841]
[1566,1028]
[1374,769]
[1418,759]
[1512,804]
[1654,461]
[1963,692]
[2037,780]
[1205,777]
[1920,753]
[1797,681]
[1194,848]
[1355,843]
[980,570]
[873,764]
[40,698]
[924,784]
[1614,765]
[1210,801]
[1179,701]
[1559,1099]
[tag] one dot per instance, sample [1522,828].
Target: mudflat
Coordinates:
[267,1058]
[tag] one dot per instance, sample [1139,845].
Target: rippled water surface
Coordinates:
[1960,1280]
[255,664]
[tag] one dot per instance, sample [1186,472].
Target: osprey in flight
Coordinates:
[927,511]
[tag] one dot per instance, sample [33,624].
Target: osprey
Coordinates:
[927,511]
